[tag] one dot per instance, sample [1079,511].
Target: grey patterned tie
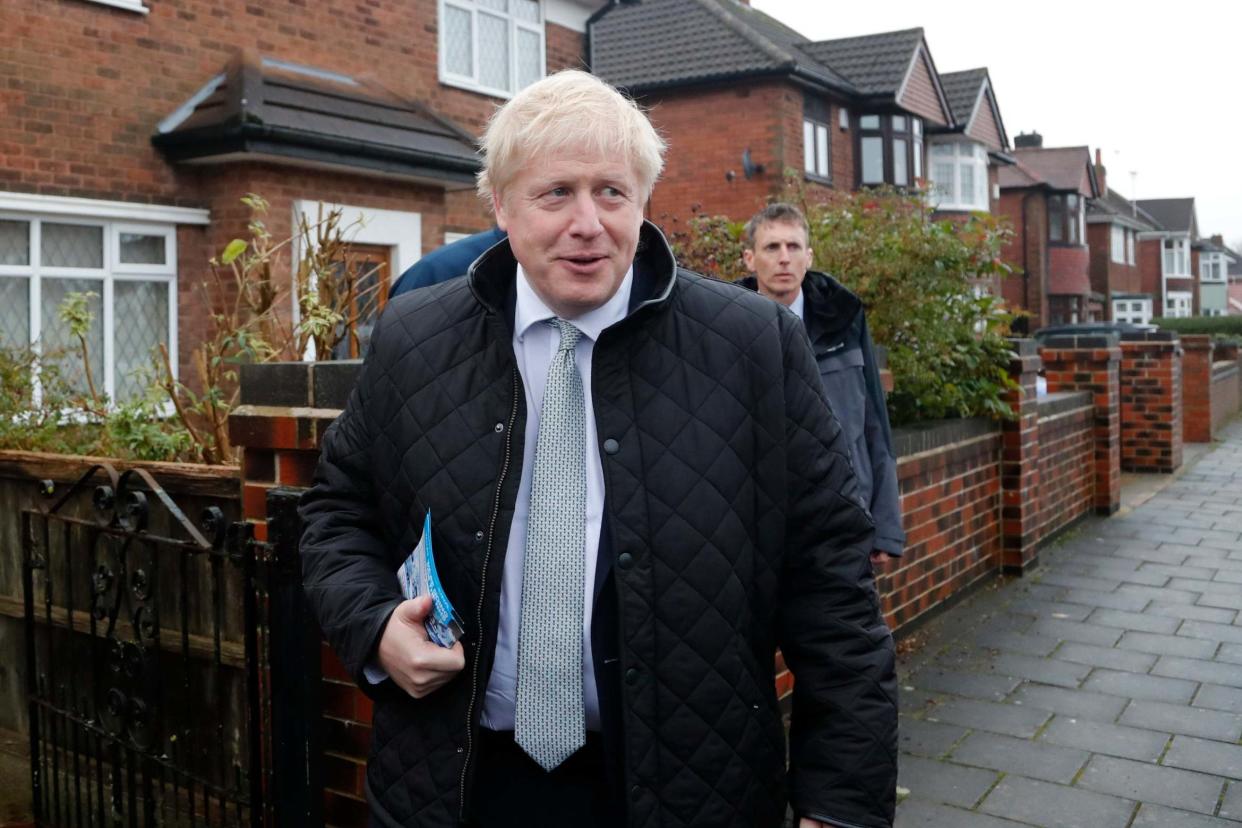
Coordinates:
[549,722]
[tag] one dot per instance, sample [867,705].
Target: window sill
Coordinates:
[816,179]
[128,5]
[458,83]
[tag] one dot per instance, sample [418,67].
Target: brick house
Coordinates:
[1213,269]
[1167,257]
[740,98]
[132,130]
[1113,227]
[1044,195]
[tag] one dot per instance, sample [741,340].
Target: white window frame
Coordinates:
[1206,263]
[1131,243]
[108,275]
[1137,311]
[1117,243]
[471,82]
[812,131]
[1179,304]
[128,5]
[965,153]
[1179,255]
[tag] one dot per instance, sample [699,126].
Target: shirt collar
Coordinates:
[531,310]
[798,305]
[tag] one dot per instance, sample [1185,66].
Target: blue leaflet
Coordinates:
[418,576]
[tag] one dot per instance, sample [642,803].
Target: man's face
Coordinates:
[779,259]
[573,222]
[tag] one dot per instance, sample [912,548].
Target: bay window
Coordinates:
[959,176]
[1212,267]
[890,149]
[1137,311]
[1066,218]
[491,46]
[129,272]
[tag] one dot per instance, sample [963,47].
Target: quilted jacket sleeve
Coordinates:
[346,566]
[843,738]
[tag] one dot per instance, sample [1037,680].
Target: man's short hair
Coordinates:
[781,212]
[568,109]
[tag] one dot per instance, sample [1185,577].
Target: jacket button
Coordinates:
[625,560]
[499,428]
[636,792]
[478,536]
[611,446]
[631,676]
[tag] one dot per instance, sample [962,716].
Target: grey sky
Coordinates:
[1153,86]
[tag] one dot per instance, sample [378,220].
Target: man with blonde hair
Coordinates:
[636,495]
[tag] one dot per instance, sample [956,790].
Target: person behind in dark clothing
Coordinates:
[448,262]
[778,252]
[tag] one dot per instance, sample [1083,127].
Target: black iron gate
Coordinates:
[171,672]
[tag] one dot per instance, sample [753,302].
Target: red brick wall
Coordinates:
[1066,469]
[1226,392]
[1151,405]
[950,502]
[707,129]
[86,84]
[1150,253]
[1027,252]
[1197,388]
[1068,270]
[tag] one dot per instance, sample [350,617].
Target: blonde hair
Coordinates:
[570,110]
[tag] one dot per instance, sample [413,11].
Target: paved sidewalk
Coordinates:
[1103,691]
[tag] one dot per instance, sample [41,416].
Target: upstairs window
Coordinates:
[1212,267]
[1177,257]
[1118,245]
[890,150]
[1065,218]
[959,176]
[816,150]
[1131,235]
[491,46]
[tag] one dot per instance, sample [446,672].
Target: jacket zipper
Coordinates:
[487,555]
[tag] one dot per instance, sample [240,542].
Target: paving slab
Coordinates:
[929,739]
[1211,632]
[1158,816]
[1042,670]
[1216,697]
[1186,790]
[1051,763]
[1188,721]
[1138,686]
[916,813]
[944,782]
[1173,645]
[1134,621]
[970,685]
[1231,805]
[1105,738]
[1056,806]
[1076,631]
[1204,755]
[1077,703]
[1110,657]
[1197,669]
[1231,653]
[1216,615]
[1007,719]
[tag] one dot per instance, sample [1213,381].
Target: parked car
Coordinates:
[1089,328]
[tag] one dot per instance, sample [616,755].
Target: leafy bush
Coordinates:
[919,280]
[1222,328]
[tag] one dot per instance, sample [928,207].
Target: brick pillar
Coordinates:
[1151,402]
[1093,363]
[1020,464]
[285,409]
[1196,388]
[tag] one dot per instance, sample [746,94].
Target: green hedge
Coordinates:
[1228,328]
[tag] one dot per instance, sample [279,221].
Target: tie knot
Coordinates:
[569,334]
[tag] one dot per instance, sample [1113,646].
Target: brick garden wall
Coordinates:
[950,483]
[1066,461]
[1226,392]
[1151,402]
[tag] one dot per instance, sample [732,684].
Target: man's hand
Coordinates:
[812,823]
[418,666]
[879,558]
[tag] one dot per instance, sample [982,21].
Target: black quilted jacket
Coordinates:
[730,512]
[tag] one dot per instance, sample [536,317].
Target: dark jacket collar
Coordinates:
[492,275]
[831,308]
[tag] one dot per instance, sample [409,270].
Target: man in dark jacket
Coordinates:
[646,452]
[778,252]
[448,262]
